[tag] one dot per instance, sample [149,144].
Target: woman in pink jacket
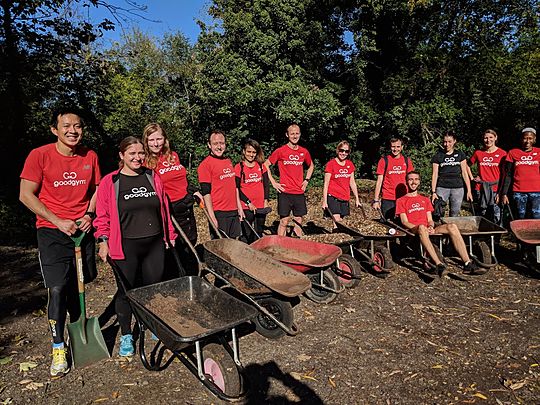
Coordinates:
[133,227]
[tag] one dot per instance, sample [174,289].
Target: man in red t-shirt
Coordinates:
[218,187]
[391,171]
[292,185]
[58,184]
[415,210]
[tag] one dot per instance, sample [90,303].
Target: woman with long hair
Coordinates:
[132,227]
[339,182]
[488,160]
[253,188]
[450,175]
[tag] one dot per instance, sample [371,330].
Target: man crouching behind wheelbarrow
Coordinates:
[415,210]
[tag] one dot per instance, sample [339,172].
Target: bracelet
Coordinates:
[91,214]
[374,201]
[307,179]
[102,239]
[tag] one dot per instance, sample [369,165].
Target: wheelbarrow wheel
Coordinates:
[482,253]
[221,369]
[282,311]
[348,271]
[382,259]
[319,295]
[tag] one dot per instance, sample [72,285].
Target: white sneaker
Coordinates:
[59,363]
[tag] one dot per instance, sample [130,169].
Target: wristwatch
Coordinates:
[102,239]
[91,214]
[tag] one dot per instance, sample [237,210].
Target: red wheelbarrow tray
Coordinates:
[526,230]
[299,254]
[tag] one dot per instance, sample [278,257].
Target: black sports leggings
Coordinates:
[61,300]
[144,257]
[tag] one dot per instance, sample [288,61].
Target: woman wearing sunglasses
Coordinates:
[338,183]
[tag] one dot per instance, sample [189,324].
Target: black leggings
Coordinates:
[62,299]
[144,257]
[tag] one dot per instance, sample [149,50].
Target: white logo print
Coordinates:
[343,173]
[450,161]
[487,159]
[253,178]
[138,192]
[527,160]
[397,170]
[70,179]
[293,160]
[416,207]
[227,172]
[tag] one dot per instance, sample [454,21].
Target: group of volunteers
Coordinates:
[131,210]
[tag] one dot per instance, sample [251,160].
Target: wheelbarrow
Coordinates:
[479,235]
[312,258]
[194,321]
[527,232]
[260,280]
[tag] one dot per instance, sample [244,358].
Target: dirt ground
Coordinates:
[394,340]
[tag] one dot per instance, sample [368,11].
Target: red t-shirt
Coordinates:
[340,180]
[251,183]
[526,170]
[220,174]
[291,167]
[394,178]
[67,183]
[415,207]
[489,165]
[173,176]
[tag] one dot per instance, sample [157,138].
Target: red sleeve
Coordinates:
[237,170]
[307,159]
[97,172]
[399,206]
[328,167]
[274,157]
[380,167]
[203,171]
[510,157]
[474,158]
[33,167]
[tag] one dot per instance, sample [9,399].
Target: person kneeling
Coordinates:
[415,210]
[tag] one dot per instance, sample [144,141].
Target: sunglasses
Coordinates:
[344,151]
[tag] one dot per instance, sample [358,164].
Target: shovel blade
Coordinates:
[86,342]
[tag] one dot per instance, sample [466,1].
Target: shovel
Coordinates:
[85,337]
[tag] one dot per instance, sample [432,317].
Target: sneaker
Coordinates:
[126,346]
[59,363]
[473,269]
[442,269]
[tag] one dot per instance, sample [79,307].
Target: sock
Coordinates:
[58,345]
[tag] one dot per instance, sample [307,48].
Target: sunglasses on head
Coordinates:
[343,150]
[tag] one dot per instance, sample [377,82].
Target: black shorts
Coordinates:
[338,206]
[229,222]
[57,257]
[291,202]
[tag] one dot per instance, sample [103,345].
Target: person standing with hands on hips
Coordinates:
[58,184]
[338,183]
[133,227]
[292,184]
[450,174]
[218,187]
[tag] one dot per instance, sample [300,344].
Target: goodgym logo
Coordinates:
[397,170]
[527,160]
[168,167]
[253,178]
[293,160]
[416,207]
[70,179]
[139,192]
[489,161]
[227,172]
[343,173]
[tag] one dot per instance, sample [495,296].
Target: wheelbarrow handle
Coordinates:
[220,233]
[393,224]
[252,229]
[187,242]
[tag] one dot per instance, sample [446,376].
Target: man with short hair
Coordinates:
[391,171]
[58,184]
[415,210]
[292,184]
[218,187]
